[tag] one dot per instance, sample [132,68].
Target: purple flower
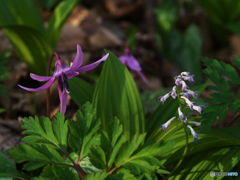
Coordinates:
[63,73]
[185,73]
[129,61]
[196,123]
[173,92]
[164,126]
[184,86]
[198,108]
[185,94]
[195,135]
[193,93]
[189,103]
[181,116]
[164,98]
[189,78]
[178,80]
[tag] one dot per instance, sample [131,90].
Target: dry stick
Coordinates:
[48,74]
[234,118]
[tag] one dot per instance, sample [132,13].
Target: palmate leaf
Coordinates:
[37,154]
[43,131]
[224,98]
[81,138]
[104,156]
[223,69]
[98,176]
[122,174]
[116,95]
[8,168]
[80,91]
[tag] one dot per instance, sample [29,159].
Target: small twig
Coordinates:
[234,118]
[48,74]
[76,166]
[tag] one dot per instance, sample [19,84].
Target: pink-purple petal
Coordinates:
[70,74]
[143,77]
[45,86]
[93,65]
[123,59]
[40,78]
[133,64]
[63,102]
[78,59]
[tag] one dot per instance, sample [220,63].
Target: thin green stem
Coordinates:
[184,154]
[186,146]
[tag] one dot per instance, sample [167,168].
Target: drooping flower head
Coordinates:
[188,78]
[178,80]
[181,116]
[196,123]
[63,73]
[185,94]
[129,61]
[185,73]
[164,98]
[193,93]
[164,126]
[195,135]
[189,103]
[198,108]
[173,92]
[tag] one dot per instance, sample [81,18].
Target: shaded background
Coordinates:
[166,37]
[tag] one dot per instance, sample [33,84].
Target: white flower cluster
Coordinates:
[186,94]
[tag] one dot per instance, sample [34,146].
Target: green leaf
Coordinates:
[166,15]
[46,132]
[121,174]
[47,173]
[31,46]
[65,172]
[236,62]
[11,13]
[128,149]
[211,113]
[189,57]
[97,157]
[8,168]
[138,166]
[220,98]
[80,91]
[38,155]
[234,107]
[81,138]
[98,176]
[60,15]
[60,129]
[162,171]
[199,166]
[223,69]
[216,79]
[116,95]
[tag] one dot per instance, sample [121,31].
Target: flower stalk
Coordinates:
[48,74]
[182,92]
